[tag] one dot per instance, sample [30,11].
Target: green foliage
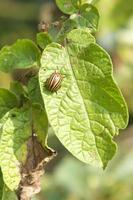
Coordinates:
[20,91]
[88,109]
[88,17]
[34,91]
[5,193]
[82,14]
[22,54]
[85,113]
[68,25]
[89,1]
[40,122]
[1,184]
[8,194]
[43,39]
[15,131]
[68,6]
[8,100]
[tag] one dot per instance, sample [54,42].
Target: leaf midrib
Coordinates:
[66,48]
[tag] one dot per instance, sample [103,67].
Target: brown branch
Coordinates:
[33,169]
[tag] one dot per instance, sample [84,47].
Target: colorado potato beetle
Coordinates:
[53,83]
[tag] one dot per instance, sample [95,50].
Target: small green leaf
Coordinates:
[43,39]
[68,6]
[67,26]
[22,54]
[15,131]
[84,37]
[88,110]
[88,16]
[7,101]
[40,123]
[20,92]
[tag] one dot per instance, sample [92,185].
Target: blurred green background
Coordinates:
[67,178]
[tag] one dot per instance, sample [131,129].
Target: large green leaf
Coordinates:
[8,100]
[15,131]
[88,109]
[22,54]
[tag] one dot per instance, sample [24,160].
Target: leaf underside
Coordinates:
[88,110]
[15,130]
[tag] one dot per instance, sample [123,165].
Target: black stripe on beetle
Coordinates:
[53,83]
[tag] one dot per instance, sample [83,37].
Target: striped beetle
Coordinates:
[53,83]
